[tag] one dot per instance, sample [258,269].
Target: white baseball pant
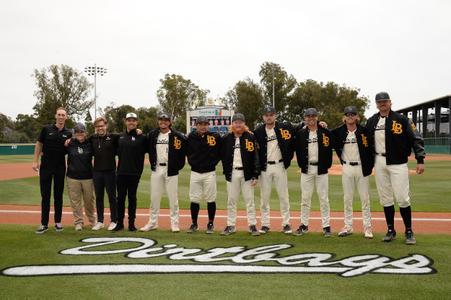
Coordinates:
[308,182]
[277,174]
[392,180]
[234,187]
[352,176]
[202,186]
[159,183]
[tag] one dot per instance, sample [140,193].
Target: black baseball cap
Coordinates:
[202,119]
[164,116]
[238,117]
[310,112]
[269,110]
[382,96]
[79,127]
[350,110]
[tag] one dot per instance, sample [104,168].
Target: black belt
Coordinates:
[163,164]
[351,163]
[239,168]
[381,154]
[273,162]
[313,163]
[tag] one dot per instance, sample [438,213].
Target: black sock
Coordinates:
[389,212]
[211,206]
[194,212]
[406,214]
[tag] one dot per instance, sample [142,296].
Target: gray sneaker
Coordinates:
[228,230]
[389,236]
[253,230]
[327,232]
[264,229]
[210,228]
[41,229]
[303,229]
[193,228]
[287,229]
[410,238]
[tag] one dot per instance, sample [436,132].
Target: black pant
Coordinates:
[46,175]
[105,180]
[127,184]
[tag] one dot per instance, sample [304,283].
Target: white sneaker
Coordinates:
[112,226]
[98,226]
[78,227]
[368,233]
[345,232]
[148,227]
[175,229]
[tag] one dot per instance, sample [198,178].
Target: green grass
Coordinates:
[21,246]
[9,159]
[431,191]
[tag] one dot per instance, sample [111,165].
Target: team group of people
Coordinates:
[384,143]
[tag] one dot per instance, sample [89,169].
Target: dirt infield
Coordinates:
[16,171]
[430,223]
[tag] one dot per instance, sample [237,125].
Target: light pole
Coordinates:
[93,71]
[273,90]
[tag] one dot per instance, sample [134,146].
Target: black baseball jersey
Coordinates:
[53,149]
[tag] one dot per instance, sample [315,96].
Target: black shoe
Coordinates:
[193,228]
[41,229]
[58,228]
[118,227]
[389,236]
[287,229]
[253,230]
[327,232]
[228,230]
[303,229]
[264,229]
[132,227]
[410,238]
[210,228]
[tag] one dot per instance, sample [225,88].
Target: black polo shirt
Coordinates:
[53,150]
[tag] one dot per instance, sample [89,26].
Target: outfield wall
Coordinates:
[16,149]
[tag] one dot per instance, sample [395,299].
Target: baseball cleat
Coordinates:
[345,232]
[389,236]
[58,227]
[368,233]
[112,226]
[210,228]
[78,227]
[41,229]
[193,228]
[303,229]
[327,232]
[287,229]
[98,226]
[228,230]
[131,227]
[264,229]
[253,230]
[410,238]
[175,229]
[149,227]
[118,227]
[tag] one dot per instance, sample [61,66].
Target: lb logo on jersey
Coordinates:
[325,140]
[396,128]
[211,140]
[177,143]
[286,135]
[249,145]
[364,140]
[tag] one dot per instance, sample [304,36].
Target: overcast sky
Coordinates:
[402,47]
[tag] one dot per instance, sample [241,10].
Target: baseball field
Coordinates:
[161,264]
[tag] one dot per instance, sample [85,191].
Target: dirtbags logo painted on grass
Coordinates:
[237,259]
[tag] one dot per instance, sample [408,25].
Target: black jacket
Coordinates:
[364,144]
[104,150]
[79,160]
[325,145]
[249,155]
[400,137]
[131,151]
[203,151]
[285,138]
[177,151]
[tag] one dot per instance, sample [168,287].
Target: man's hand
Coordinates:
[66,142]
[139,131]
[323,124]
[420,169]
[35,166]
[254,182]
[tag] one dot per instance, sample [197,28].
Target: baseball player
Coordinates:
[394,137]
[130,151]
[203,151]
[52,167]
[167,149]
[356,156]
[314,156]
[275,142]
[241,169]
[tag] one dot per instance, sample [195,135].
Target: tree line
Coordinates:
[62,85]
